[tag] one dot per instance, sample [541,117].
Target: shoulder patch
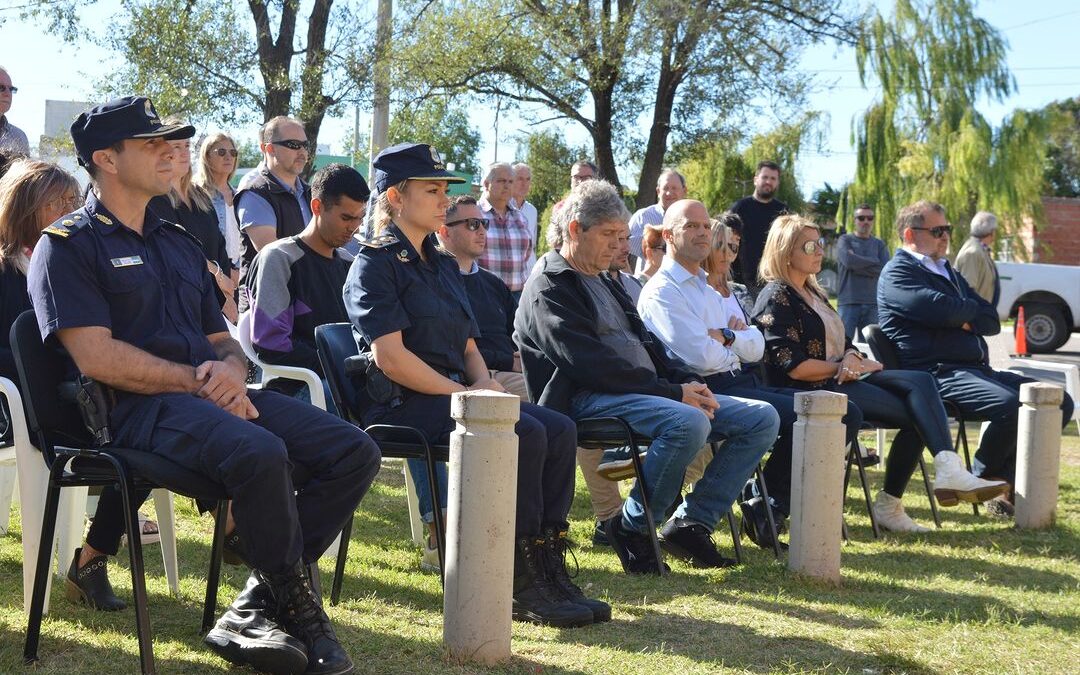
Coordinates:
[66,227]
[381,241]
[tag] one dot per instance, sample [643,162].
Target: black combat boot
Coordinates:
[536,599]
[247,634]
[301,614]
[556,546]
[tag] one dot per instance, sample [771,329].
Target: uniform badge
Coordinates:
[403,256]
[103,218]
[67,221]
[127,261]
[150,112]
[57,231]
[435,158]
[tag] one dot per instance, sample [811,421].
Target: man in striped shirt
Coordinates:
[510,252]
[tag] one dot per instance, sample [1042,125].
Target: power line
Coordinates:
[1042,20]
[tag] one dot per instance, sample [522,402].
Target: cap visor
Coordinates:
[173,132]
[440,175]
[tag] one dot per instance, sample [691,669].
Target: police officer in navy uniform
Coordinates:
[409,307]
[129,297]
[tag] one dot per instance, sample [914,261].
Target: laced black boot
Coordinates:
[300,613]
[556,546]
[536,599]
[247,634]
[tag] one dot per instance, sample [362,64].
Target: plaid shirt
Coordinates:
[510,252]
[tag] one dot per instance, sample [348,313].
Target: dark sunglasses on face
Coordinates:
[936,232]
[659,247]
[471,224]
[221,152]
[813,245]
[4,88]
[869,218]
[733,247]
[291,144]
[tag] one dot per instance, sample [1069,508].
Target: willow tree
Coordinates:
[924,137]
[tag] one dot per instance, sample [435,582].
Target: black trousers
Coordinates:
[281,523]
[547,452]
[108,526]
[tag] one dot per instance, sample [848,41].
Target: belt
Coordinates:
[733,373]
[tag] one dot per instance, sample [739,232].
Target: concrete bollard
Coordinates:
[481,505]
[1038,449]
[817,485]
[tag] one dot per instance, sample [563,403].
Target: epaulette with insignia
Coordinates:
[381,241]
[66,227]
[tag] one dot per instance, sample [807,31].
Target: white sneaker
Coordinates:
[430,560]
[954,484]
[889,513]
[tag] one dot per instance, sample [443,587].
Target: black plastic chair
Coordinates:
[603,433]
[885,351]
[69,452]
[336,345]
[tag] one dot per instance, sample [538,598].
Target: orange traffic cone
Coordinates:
[1021,334]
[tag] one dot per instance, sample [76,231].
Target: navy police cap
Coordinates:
[410,161]
[129,117]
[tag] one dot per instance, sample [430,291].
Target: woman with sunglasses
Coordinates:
[216,167]
[409,307]
[806,348]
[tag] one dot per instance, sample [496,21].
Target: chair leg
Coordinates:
[962,442]
[70,524]
[857,457]
[843,530]
[44,562]
[138,572]
[929,492]
[213,575]
[7,491]
[436,511]
[736,537]
[639,471]
[339,567]
[768,511]
[416,523]
[165,509]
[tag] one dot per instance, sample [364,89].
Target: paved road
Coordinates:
[1002,345]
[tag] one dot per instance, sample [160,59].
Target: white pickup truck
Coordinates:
[1050,296]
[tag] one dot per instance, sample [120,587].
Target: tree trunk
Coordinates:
[602,137]
[656,147]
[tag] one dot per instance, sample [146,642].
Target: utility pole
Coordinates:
[380,117]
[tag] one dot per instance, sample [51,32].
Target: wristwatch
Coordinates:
[729,336]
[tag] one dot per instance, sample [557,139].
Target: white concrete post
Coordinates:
[817,485]
[1038,446]
[481,503]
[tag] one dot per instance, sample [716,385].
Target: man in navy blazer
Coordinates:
[937,323]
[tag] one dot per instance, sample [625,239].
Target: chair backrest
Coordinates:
[881,346]
[42,369]
[243,336]
[335,343]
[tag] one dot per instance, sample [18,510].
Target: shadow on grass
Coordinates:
[912,565]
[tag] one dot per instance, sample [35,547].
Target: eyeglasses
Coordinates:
[4,89]
[868,218]
[659,247]
[733,247]
[291,144]
[936,232]
[814,245]
[221,152]
[67,203]
[471,224]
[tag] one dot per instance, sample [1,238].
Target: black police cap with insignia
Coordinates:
[410,161]
[119,119]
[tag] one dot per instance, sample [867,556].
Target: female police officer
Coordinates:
[407,302]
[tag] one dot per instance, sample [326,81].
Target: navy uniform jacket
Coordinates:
[151,291]
[389,288]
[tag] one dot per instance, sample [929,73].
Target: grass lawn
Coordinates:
[975,597]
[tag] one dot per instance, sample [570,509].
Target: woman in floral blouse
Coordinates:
[805,348]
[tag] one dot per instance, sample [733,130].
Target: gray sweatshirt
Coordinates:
[860,262]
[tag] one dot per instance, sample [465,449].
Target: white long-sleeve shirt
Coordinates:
[680,308]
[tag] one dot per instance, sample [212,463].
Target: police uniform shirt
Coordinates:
[390,288]
[152,291]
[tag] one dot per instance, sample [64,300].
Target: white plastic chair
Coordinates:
[271,371]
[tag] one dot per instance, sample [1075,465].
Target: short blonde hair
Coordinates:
[780,246]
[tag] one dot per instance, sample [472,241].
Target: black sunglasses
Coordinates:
[221,152]
[936,232]
[4,88]
[471,224]
[291,144]
[870,218]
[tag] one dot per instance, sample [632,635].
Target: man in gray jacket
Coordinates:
[860,257]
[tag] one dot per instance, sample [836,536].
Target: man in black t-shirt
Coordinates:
[757,213]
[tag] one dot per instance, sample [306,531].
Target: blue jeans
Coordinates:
[856,317]
[679,431]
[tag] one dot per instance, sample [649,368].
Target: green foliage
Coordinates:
[442,124]
[550,159]
[924,139]
[1062,168]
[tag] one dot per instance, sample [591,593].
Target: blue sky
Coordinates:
[1044,56]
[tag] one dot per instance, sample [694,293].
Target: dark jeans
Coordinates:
[856,316]
[108,526]
[906,400]
[547,451]
[994,396]
[777,471]
[253,460]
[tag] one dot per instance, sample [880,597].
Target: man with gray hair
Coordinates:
[12,139]
[975,261]
[586,353]
[670,188]
[520,192]
[510,251]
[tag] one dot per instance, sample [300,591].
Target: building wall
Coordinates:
[1058,240]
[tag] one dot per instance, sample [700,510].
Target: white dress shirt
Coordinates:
[650,215]
[939,267]
[680,308]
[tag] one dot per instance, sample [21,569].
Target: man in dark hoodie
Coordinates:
[937,323]
[586,353]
